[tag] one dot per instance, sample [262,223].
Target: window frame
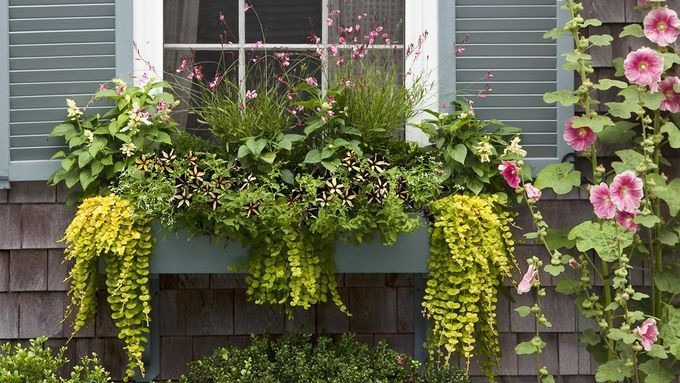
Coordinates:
[4,98]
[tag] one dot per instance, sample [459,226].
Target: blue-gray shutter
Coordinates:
[57,49]
[506,37]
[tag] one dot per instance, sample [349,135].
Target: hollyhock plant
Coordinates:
[533,193]
[578,138]
[647,332]
[644,67]
[626,191]
[600,197]
[510,173]
[627,220]
[671,102]
[528,280]
[661,26]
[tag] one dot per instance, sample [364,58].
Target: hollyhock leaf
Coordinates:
[670,194]
[638,296]
[553,270]
[548,379]
[558,238]
[646,220]
[601,40]
[562,178]
[634,30]
[653,100]
[623,109]
[618,334]
[612,306]
[656,372]
[566,286]
[630,160]
[620,132]
[669,59]
[603,237]
[525,348]
[673,134]
[667,237]
[523,311]
[596,123]
[613,371]
[591,23]
[618,66]
[606,84]
[554,33]
[658,351]
[589,337]
[564,97]
[668,280]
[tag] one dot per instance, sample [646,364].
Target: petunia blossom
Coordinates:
[533,193]
[578,138]
[600,197]
[528,280]
[510,173]
[671,100]
[644,67]
[627,220]
[647,332]
[661,26]
[626,191]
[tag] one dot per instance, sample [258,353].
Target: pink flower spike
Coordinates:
[251,94]
[329,21]
[311,81]
[528,280]
[578,138]
[342,41]
[103,87]
[182,65]
[221,16]
[510,173]
[647,332]
[626,191]
[627,220]
[533,193]
[671,101]
[661,26]
[644,67]
[246,6]
[257,45]
[601,199]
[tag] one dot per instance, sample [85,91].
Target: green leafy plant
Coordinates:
[301,358]
[471,252]
[38,363]
[106,227]
[101,146]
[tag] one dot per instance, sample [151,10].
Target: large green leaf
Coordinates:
[634,30]
[564,97]
[670,194]
[630,160]
[601,40]
[673,134]
[657,372]
[668,280]
[559,177]
[595,123]
[604,237]
[613,371]
[619,133]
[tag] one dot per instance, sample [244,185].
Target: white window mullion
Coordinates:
[148,38]
[242,47]
[324,43]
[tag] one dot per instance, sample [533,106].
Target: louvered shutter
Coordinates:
[506,37]
[57,49]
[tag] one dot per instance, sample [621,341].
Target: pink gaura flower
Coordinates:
[246,6]
[221,17]
[329,21]
[533,193]
[284,58]
[196,73]
[578,138]
[257,45]
[510,173]
[250,94]
[647,332]
[103,87]
[626,191]
[528,280]
[601,199]
[215,81]
[340,62]
[341,40]
[644,67]
[311,81]
[182,65]
[627,220]
[671,101]
[661,26]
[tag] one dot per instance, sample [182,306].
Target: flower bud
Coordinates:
[603,324]
[637,347]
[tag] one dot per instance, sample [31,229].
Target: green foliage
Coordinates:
[470,150]
[471,252]
[106,227]
[562,178]
[102,146]
[37,363]
[299,358]
[613,371]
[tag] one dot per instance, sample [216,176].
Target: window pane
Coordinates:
[368,14]
[289,22]
[200,21]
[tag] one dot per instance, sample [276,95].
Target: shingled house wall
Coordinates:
[200,312]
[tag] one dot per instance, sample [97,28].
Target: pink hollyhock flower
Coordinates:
[647,332]
[601,198]
[661,26]
[528,280]
[671,102]
[627,220]
[533,193]
[311,81]
[578,138]
[251,94]
[644,67]
[626,191]
[510,172]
